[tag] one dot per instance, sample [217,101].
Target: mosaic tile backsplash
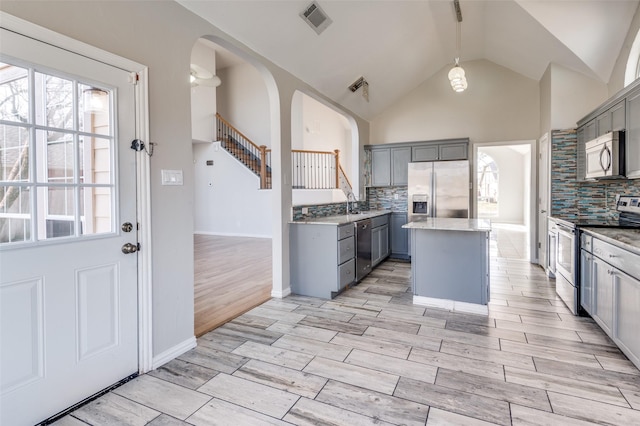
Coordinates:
[377,199]
[385,198]
[330,209]
[572,199]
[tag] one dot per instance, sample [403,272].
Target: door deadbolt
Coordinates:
[127,227]
[129,248]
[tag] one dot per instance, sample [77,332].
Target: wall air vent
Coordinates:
[315,17]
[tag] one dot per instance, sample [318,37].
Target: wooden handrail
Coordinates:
[313,152]
[237,131]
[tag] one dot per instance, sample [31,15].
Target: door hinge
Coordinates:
[539,245]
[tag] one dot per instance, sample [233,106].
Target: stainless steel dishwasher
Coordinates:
[363,248]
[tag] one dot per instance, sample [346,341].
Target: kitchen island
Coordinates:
[450,263]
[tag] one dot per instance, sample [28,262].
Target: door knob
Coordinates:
[127,227]
[129,248]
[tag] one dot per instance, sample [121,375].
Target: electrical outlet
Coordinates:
[396,196]
[305,210]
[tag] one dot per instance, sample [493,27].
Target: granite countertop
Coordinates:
[628,239]
[341,219]
[451,224]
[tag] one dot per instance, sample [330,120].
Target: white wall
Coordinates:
[573,95]
[203,98]
[545,102]
[512,182]
[320,128]
[228,200]
[499,105]
[244,102]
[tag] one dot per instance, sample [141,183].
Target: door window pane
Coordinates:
[95,210]
[56,105]
[14,153]
[94,114]
[15,217]
[14,93]
[60,158]
[95,160]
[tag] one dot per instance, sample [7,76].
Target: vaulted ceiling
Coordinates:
[396,45]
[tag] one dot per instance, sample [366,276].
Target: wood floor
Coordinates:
[371,357]
[232,275]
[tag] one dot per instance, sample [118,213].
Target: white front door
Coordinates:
[68,292]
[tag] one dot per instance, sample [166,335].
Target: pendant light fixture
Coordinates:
[456,74]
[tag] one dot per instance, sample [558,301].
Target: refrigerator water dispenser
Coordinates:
[420,204]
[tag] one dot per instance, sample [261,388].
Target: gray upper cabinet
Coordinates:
[381,167]
[612,119]
[590,130]
[621,112]
[400,159]
[425,153]
[440,152]
[632,136]
[390,162]
[618,115]
[452,151]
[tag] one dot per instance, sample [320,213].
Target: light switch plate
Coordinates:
[172,177]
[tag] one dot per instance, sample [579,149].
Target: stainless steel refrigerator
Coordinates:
[439,189]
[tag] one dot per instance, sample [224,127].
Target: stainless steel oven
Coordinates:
[566,266]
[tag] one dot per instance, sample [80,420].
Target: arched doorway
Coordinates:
[233,235]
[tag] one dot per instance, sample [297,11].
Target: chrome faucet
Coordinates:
[350,195]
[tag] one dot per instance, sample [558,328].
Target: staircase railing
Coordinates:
[315,169]
[344,182]
[309,169]
[256,158]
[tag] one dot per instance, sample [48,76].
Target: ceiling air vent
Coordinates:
[315,17]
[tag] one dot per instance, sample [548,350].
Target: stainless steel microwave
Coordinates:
[605,156]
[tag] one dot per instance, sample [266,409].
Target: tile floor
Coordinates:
[371,357]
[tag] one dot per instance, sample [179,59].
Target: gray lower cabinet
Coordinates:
[379,239]
[627,315]
[399,236]
[610,292]
[602,295]
[322,259]
[586,281]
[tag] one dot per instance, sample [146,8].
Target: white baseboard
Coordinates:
[452,305]
[225,234]
[174,352]
[281,294]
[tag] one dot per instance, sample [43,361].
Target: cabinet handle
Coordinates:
[611,256]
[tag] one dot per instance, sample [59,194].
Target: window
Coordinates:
[56,156]
[632,71]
